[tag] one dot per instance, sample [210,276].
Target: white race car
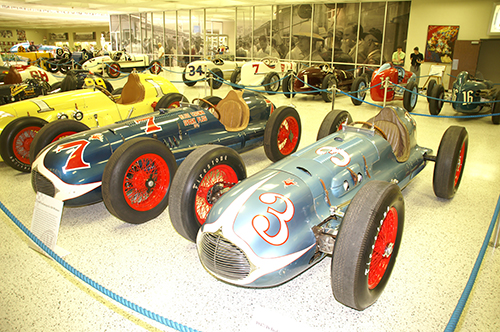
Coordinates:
[266,73]
[118,62]
[200,69]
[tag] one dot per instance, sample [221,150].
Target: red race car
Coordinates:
[396,75]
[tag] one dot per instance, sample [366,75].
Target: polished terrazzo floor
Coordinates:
[152,266]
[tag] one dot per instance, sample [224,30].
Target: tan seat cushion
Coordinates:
[133,91]
[397,133]
[234,111]
[13,76]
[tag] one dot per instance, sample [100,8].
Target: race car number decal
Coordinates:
[38,74]
[94,81]
[261,223]
[151,126]
[75,160]
[346,158]
[193,70]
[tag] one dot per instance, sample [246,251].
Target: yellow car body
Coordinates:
[91,106]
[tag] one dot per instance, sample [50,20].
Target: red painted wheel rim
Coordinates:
[113,70]
[383,248]
[22,143]
[222,176]
[460,164]
[146,182]
[156,68]
[288,135]
[62,135]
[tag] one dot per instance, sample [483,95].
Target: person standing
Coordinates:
[398,57]
[416,60]
[161,54]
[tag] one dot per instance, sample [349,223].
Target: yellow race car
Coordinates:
[91,107]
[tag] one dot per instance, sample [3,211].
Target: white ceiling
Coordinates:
[51,14]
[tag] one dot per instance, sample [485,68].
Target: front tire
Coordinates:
[333,122]
[450,162]
[410,96]
[430,86]
[16,139]
[282,133]
[329,83]
[272,83]
[186,81]
[206,174]
[155,67]
[367,244]
[358,84]
[53,131]
[137,179]
[236,78]
[288,84]
[495,108]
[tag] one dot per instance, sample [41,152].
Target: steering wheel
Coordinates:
[377,128]
[325,67]
[105,91]
[215,110]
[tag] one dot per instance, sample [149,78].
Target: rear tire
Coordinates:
[430,86]
[113,70]
[288,85]
[170,100]
[206,174]
[186,81]
[272,83]
[282,133]
[333,122]
[450,162]
[495,108]
[236,78]
[367,244]
[216,80]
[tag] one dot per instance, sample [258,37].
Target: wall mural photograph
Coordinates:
[344,34]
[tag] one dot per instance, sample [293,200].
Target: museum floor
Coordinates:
[152,266]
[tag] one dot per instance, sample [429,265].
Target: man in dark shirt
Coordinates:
[32,47]
[416,59]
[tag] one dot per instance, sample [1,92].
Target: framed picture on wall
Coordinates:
[59,36]
[6,33]
[21,35]
[440,43]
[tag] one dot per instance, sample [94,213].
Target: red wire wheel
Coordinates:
[137,178]
[282,133]
[204,176]
[461,160]
[146,182]
[367,244]
[214,184]
[22,143]
[384,246]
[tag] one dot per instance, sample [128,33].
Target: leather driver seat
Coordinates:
[397,133]
[133,91]
[234,112]
[13,76]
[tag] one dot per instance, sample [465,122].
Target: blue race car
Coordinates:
[470,95]
[130,165]
[340,196]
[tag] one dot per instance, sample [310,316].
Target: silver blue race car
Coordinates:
[340,196]
[130,165]
[470,95]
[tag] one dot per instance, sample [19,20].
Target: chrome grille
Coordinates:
[42,184]
[223,258]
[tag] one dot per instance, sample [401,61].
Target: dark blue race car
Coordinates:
[130,165]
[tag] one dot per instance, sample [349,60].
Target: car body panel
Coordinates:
[396,75]
[254,73]
[79,160]
[311,79]
[267,219]
[126,61]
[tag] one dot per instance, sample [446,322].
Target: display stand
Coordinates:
[436,72]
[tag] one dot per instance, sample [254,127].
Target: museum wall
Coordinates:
[51,36]
[473,17]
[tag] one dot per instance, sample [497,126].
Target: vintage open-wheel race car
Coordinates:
[470,95]
[131,164]
[340,196]
[376,87]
